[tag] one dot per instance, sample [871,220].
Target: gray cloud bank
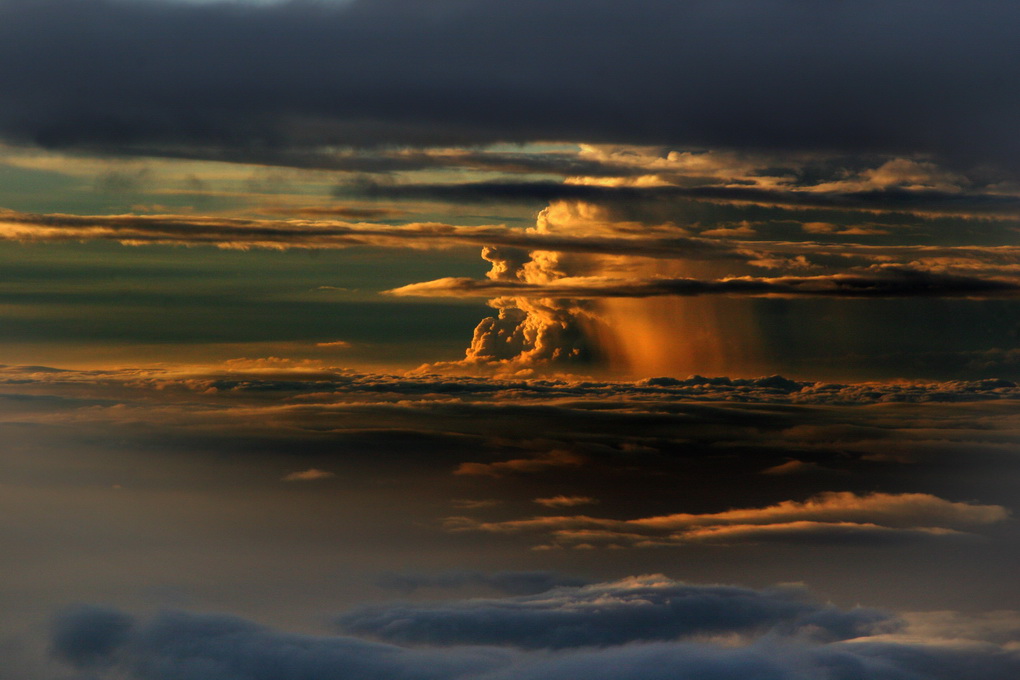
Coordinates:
[903,76]
[892,199]
[637,609]
[643,627]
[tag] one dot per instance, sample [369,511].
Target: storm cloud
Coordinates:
[903,76]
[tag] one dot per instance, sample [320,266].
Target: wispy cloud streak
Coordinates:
[829,517]
[657,242]
[903,283]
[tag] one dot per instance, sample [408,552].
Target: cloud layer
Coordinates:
[648,627]
[649,608]
[122,73]
[293,387]
[890,283]
[828,517]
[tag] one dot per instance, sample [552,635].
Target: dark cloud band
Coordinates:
[897,200]
[784,75]
[897,283]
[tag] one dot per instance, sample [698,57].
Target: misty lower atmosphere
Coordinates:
[478,340]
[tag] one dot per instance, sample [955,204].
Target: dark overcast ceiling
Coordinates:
[895,76]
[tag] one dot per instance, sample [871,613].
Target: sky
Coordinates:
[472,340]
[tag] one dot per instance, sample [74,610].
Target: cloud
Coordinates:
[385,161]
[529,333]
[176,75]
[334,344]
[475,504]
[794,467]
[502,246]
[540,276]
[956,628]
[642,627]
[553,307]
[889,283]
[247,384]
[227,232]
[181,646]
[827,517]
[856,196]
[87,635]
[309,475]
[565,501]
[551,460]
[231,232]
[335,211]
[636,609]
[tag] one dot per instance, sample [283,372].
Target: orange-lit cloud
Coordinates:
[889,283]
[551,460]
[561,234]
[565,501]
[827,517]
[309,475]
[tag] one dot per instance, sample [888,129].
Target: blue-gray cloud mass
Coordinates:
[804,640]
[899,77]
[638,609]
